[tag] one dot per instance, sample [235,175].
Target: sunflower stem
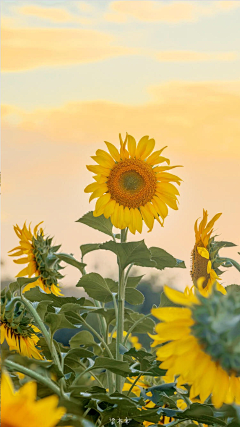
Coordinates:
[133,384]
[43,329]
[12,366]
[120,315]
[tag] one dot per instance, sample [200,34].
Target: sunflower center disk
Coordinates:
[132,183]
[199,266]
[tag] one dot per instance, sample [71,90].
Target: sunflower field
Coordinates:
[104,376]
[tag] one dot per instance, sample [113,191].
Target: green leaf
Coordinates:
[35,294]
[42,308]
[69,259]
[233,288]
[89,247]
[130,253]
[22,281]
[96,287]
[115,366]
[133,296]
[146,324]
[86,339]
[133,281]
[163,259]
[99,223]
[57,321]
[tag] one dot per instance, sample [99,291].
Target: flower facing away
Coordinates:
[201,343]
[17,328]
[20,408]
[40,258]
[205,258]
[130,185]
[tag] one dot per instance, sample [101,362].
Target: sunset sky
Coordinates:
[76,73]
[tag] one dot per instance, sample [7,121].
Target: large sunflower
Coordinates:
[130,185]
[40,257]
[204,254]
[201,343]
[17,328]
[20,408]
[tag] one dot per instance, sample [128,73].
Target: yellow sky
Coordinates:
[78,73]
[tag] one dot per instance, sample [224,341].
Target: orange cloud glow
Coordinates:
[171,12]
[195,118]
[52,14]
[29,48]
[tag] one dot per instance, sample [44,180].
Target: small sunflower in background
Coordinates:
[17,328]
[200,343]
[205,255]
[40,258]
[21,409]
[130,185]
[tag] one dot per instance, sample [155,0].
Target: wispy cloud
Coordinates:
[195,118]
[53,14]
[165,11]
[192,56]
[29,48]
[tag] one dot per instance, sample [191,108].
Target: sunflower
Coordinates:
[204,254]
[130,185]
[40,257]
[17,327]
[20,408]
[200,343]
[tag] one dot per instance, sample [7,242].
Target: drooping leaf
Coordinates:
[115,366]
[96,287]
[36,294]
[85,339]
[99,223]
[163,259]
[133,281]
[69,259]
[133,296]
[145,324]
[89,247]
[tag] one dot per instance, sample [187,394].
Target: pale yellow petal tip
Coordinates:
[203,252]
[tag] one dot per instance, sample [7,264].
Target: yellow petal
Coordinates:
[203,252]
[92,187]
[113,151]
[171,313]
[149,148]
[131,145]
[102,201]
[98,169]
[147,217]
[138,220]
[160,206]
[179,298]
[102,161]
[99,192]
[109,208]
[142,144]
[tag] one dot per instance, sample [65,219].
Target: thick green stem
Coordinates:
[120,316]
[43,329]
[12,366]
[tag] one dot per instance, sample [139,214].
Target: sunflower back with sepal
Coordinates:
[48,264]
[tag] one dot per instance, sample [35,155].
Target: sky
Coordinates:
[76,73]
